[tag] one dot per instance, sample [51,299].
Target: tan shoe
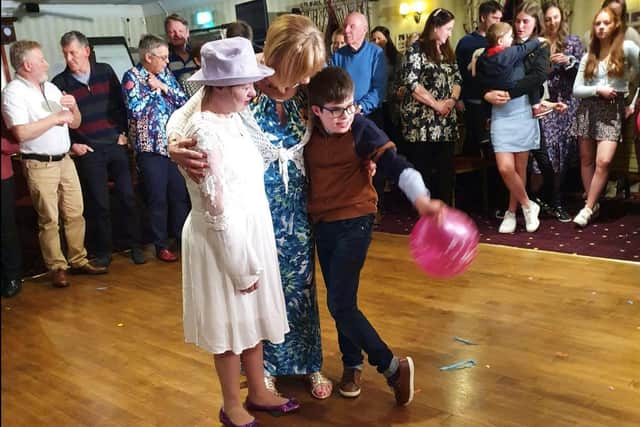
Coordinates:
[350,382]
[59,278]
[89,268]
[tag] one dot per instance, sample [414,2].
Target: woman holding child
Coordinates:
[514,130]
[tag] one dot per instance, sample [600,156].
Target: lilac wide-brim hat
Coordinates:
[229,62]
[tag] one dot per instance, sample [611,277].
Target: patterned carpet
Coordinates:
[615,234]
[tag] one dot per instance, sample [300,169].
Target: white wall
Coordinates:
[108,20]
[387,13]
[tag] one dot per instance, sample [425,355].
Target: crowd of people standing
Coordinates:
[558,97]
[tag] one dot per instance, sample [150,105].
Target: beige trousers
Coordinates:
[55,190]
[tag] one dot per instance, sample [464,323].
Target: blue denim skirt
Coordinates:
[513,128]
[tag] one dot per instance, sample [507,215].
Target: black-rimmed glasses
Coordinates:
[337,112]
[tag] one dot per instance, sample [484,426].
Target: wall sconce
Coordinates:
[415,8]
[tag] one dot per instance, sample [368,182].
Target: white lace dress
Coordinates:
[228,244]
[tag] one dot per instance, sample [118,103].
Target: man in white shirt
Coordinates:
[39,116]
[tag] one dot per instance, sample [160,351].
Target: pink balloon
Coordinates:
[446,249]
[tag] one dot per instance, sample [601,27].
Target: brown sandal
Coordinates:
[318,380]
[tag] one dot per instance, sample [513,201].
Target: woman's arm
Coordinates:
[537,69]
[411,71]
[580,88]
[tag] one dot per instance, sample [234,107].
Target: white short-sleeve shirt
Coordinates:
[24,103]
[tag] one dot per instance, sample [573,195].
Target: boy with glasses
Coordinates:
[342,204]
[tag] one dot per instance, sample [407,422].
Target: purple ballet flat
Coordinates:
[226,421]
[291,405]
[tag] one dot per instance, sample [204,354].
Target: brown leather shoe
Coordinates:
[402,382]
[350,382]
[59,278]
[89,268]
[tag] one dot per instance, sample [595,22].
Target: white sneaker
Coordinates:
[585,216]
[531,216]
[508,224]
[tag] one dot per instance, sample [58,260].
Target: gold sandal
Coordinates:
[270,384]
[318,380]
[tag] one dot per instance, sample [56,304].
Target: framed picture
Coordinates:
[401,43]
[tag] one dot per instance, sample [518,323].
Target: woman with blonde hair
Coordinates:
[602,83]
[295,48]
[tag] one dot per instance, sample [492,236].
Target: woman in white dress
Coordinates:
[232,293]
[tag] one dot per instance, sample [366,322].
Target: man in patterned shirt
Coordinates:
[151,95]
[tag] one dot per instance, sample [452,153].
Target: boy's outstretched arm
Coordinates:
[430,207]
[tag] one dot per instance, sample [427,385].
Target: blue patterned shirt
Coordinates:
[149,111]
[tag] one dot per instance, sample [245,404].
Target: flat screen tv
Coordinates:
[255,14]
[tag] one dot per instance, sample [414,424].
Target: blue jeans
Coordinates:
[342,249]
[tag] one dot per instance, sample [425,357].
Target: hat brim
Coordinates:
[262,72]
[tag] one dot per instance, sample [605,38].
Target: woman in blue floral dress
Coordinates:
[295,49]
[557,127]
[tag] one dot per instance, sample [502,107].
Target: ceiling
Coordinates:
[88,1]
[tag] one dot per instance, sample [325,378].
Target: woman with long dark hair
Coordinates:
[429,126]
[557,127]
[391,114]
[602,83]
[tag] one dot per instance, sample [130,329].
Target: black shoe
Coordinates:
[545,207]
[102,261]
[11,288]
[137,256]
[561,215]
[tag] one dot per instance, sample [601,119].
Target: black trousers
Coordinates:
[376,116]
[166,197]
[11,248]
[434,160]
[94,169]
[475,122]
[551,190]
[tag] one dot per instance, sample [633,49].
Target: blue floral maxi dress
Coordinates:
[286,189]
[558,128]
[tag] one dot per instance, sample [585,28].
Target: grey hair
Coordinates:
[70,36]
[19,51]
[149,42]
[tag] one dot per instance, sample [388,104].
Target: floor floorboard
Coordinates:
[558,344]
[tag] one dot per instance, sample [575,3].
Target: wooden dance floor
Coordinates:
[558,344]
